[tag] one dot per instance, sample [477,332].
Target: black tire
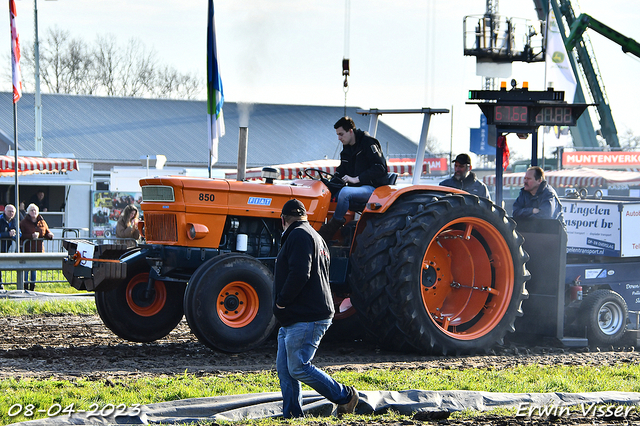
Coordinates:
[605,313]
[453,280]
[231,321]
[370,260]
[127,311]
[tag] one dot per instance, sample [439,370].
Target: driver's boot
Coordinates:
[329,229]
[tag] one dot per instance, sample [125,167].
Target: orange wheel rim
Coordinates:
[237,304]
[467,278]
[139,303]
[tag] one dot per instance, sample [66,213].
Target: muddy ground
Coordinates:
[68,347]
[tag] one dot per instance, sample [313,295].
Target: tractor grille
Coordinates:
[160,227]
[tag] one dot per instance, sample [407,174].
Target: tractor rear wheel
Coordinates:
[454,280]
[229,303]
[605,313]
[135,314]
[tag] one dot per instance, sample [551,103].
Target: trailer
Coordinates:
[603,260]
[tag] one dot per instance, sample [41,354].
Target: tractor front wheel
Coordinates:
[229,303]
[138,313]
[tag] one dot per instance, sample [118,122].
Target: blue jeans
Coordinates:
[297,345]
[358,194]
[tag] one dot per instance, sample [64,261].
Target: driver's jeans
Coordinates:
[358,194]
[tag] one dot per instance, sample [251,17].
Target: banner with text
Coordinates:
[610,160]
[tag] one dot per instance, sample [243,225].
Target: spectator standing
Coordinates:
[40,200]
[23,211]
[34,230]
[537,198]
[127,226]
[7,231]
[463,178]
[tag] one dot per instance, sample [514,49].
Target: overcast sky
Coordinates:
[404,53]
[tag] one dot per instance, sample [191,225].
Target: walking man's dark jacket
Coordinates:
[301,277]
[365,160]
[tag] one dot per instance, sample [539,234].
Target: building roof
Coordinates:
[121,130]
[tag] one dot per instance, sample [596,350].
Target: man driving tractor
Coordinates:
[362,169]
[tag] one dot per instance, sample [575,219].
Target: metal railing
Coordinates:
[15,268]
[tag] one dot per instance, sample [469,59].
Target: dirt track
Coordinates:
[68,347]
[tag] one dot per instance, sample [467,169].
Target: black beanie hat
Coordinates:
[293,208]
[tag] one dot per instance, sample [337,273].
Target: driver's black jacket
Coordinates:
[365,160]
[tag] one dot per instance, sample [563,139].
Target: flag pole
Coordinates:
[17,94]
[15,172]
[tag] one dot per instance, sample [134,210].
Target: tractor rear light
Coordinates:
[196,231]
[374,206]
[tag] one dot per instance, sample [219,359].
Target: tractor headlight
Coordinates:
[195,231]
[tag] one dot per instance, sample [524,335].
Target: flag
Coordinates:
[215,97]
[558,71]
[15,54]
[502,143]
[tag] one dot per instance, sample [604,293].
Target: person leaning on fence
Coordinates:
[537,198]
[7,231]
[127,226]
[34,230]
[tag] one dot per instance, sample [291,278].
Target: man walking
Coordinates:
[7,231]
[463,178]
[304,308]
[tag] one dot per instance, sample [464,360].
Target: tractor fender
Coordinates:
[385,196]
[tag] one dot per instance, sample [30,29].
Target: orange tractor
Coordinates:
[423,268]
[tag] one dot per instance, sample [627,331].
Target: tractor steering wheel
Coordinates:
[334,186]
[322,175]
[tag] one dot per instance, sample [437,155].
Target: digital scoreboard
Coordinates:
[523,111]
[528,115]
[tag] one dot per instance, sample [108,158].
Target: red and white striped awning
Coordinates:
[293,170]
[580,178]
[30,165]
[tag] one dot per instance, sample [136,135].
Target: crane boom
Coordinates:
[585,21]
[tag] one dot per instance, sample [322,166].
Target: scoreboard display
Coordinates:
[559,115]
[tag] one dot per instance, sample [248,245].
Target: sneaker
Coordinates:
[349,407]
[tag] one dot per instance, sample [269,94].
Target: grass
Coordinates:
[523,379]
[49,281]
[18,307]
[14,308]
[54,395]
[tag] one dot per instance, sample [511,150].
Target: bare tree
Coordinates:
[65,64]
[136,69]
[170,83]
[69,65]
[629,141]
